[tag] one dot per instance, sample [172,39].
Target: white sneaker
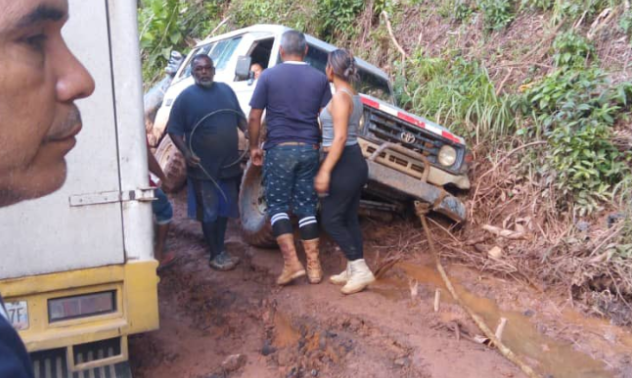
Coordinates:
[360,277]
[342,278]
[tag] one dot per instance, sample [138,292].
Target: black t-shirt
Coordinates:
[292,94]
[14,360]
[215,140]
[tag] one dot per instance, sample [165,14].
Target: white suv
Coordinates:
[409,157]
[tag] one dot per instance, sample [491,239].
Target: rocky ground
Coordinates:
[240,324]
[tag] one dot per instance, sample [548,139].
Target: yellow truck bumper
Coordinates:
[136,288]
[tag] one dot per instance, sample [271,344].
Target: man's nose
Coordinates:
[73,80]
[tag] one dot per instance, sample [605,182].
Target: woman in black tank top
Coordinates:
[342,175]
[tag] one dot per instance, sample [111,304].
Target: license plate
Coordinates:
[18,314]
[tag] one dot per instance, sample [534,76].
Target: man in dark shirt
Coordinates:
[292,93]
[203,125]
[40,80]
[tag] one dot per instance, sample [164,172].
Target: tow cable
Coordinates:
[195,127]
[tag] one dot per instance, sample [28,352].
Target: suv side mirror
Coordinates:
[175,61]
[242,70]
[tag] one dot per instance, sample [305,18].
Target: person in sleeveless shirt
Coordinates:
[343,172]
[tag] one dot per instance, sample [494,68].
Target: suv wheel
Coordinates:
[252,209]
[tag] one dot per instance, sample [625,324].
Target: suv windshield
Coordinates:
[374,85]
[220,52]
[370,84]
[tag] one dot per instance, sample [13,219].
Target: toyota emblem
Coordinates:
[407,137]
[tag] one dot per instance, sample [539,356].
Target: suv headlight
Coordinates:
[361,122]
[447,156]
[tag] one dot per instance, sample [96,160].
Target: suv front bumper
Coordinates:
[409,174]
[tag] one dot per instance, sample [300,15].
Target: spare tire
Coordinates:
[255,225]
[173,165]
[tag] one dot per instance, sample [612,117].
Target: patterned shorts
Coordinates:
[288,177]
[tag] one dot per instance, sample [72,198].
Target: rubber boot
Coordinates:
[292,268]
[360,277]
[342,278]
[314,270]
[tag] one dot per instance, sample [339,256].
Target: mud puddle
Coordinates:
[551,357]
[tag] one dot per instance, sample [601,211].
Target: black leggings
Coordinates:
[340,207]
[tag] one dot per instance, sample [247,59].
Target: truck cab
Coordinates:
[78,274]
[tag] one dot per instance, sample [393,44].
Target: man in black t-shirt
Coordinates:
[292,93]
[203,125]
[40,80]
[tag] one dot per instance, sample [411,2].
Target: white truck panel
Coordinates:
[128,101]
[48,235]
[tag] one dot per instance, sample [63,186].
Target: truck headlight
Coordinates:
[447,156]
[80,306]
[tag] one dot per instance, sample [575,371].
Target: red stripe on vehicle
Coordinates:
[410,119]
[370,103]
[447,135]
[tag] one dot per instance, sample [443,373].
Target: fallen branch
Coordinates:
[502,83]
[225,20]
[390,32]
[421,209]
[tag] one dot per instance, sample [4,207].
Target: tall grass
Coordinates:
[459,95]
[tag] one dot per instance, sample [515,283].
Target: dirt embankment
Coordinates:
[390,330]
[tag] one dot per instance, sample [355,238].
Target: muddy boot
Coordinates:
[224,262]
[342,278]
[314,270]
[292,268]
[360,277]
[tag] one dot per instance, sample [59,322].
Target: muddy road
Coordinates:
[240,324]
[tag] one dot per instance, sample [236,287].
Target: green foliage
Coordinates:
[572,50]
[458,10]
[541,5]
[574,109]
[165,25]
[297,15]
[625,23]
[572,10]
[337,17]
[586,163]
[497,13]
[458,94]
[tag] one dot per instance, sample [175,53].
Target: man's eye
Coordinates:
[36,41]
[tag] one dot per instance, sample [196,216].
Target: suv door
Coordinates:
[261,48]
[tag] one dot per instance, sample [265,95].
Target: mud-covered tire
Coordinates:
[255,225]
[173,165]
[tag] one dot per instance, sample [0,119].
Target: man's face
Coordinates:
[203,72]
[39,81]
[256,70]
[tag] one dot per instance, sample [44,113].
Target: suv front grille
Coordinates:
[384,127]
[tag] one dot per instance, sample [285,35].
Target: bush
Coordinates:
[497,13]
[165,25]
[575,109]
[572,50]
[337,17]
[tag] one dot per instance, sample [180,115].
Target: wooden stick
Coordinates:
[390,32]
[421,209]
[437,299]
[218,26]
[500,329]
